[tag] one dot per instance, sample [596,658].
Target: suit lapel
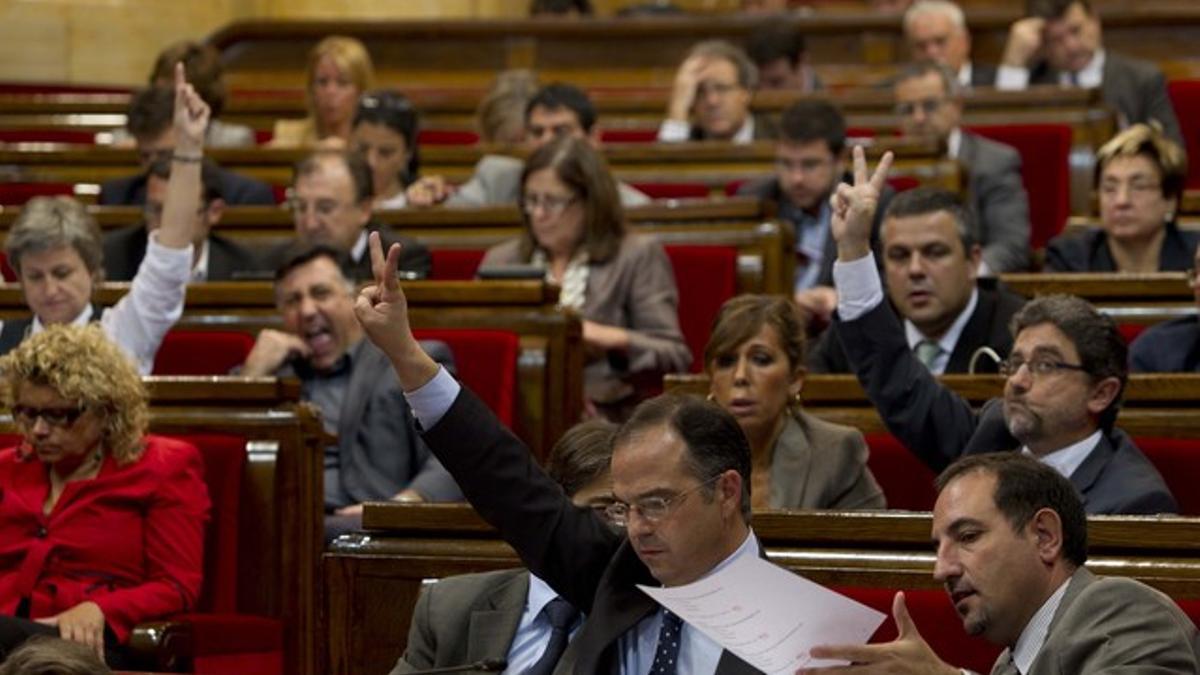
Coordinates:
[1081,579]
[973,333]
[791,465]
[493,626]
[1089,471]
[364,369]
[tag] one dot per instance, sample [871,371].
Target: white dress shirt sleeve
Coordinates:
[858,287]
[140,320]
[1012,78]
[674,131]
[430,401]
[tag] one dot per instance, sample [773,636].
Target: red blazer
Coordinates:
[131,539]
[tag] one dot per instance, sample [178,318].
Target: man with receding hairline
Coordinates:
[936,31]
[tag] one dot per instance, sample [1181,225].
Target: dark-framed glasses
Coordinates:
[1039,366]
[552,204]
[927,106]
[652,509]
[27,416]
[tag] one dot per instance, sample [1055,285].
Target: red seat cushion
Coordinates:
[1178,460]
[706,277]
[1185,96]
[16,194]
[1045,171]
[73,136]
[1130,331]
[628,135]
[202,352]
[447,137]
[674,190]
[487,364]
[455,264]
[907,483]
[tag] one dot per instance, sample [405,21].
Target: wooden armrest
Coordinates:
[162,646]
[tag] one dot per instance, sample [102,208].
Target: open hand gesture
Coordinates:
[191,114]
[854,207]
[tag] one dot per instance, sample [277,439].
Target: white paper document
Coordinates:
[769,616]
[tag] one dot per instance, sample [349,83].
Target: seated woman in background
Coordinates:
[385,134]
[500,116]
[620,282]
[102,527]
[56,250]
[339,72]
[1140,175]
[755,363]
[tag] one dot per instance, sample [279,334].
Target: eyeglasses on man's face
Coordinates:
[1039,366]
[927,106]
[652,509]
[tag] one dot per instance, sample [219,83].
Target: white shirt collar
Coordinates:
[748,547]
[540,594]
[81,320]
[1090,76]
[964,75]
[746,133]
[954,142]
[200,269]
[1067,460]
[949,339]
[1034,634]
[360,246]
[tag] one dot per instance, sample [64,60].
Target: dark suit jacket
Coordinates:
[998,199]
[125,248]
[983,74]
[1137,89]
[414,258]
[1169,347]
[988,326]
[235,189]
[583,559]
[938,426]
[766,128]
[767,188]
[1088,251]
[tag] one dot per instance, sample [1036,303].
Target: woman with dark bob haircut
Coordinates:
[385,134]
[620,282]
[755,364]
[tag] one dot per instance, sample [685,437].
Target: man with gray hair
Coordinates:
[929,104]
[711,98]
[1065,376]
[936,31]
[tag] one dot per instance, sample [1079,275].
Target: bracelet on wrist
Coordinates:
[187,159]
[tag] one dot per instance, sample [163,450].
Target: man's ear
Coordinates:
[1046,527]
[1102,394]
[216,209]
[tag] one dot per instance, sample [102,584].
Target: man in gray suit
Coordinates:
[936,31]
[1011,539]
[1065,376]
[508,613]
[1059,43]
[378,454]
[929,103]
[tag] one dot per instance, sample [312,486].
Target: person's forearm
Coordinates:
[183,195]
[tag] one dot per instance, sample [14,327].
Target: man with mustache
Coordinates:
[1011,539]
[1065,376]
[954,321]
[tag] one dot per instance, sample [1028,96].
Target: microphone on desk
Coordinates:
[489,665]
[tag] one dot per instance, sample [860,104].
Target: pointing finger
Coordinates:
[390,282]
[375,244]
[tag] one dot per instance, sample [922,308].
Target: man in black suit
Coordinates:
[936,31]
[779,51]
[1059,43]
[710,99]
[149,122]
[680,480]
[216,258]
[953,321]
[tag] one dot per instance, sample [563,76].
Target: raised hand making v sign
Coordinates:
[854,207]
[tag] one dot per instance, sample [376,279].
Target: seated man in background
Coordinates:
[929,104]
[711,96]
[1059,43]
[1065,377]
[1011,540]
[332,201]
[216,258]
[378,454]
[936,32]
[149,122]
[529,624]
[1171,346]
[555,111]
[808,165]
[951,317]
[778,51]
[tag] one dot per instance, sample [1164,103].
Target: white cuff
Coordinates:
[674,131]
[1012,78]
[430,401]
[858,287]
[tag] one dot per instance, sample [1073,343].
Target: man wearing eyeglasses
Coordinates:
[1064,378]
[217,258]
[711,96]
[680,478]
[929,104]
[331,203]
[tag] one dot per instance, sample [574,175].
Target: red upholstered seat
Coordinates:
[202,352]
[907,483]
[674,190]
[447,137]
[1178,460]
[73,136]
[1045,170]
[1130,331]
[16,194]
[6,270]
[628,135]
[455,264]
[936,620]
[706,277]
[902,183]
[1185,96]
[487,364]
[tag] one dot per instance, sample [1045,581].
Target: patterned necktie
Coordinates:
[561,615]
[666,656]
[927,352]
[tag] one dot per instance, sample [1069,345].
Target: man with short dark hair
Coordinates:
[149,122]
[778,50]
[808,164]
[929,104]
[555,111]
[1065,376]
[1011,539]
[954,321]
[1059,43]
[217,258]
[710,99]
[936,31]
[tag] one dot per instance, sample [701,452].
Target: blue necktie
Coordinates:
[666,656]
[561,615]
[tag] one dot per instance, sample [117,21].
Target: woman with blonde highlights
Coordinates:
[102,526]
[339,72]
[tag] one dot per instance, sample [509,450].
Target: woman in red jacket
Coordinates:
[101,526]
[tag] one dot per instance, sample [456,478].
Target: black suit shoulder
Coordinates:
[244,190]
[229,260]
[1084,251]
[123,252]
[1168,347]
[125,191]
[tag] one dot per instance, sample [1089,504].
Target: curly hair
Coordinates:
[83,365]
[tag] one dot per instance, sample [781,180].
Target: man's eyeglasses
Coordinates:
[63,418]
[553,205]
[718,89]
[927,106]
[1039,366]
[323,207]
[652,509]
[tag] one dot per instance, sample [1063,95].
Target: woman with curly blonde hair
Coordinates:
[102,526]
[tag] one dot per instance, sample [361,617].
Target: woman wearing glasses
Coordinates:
[755,364]
[1140,178]
[101,526]
[620,282]
[385,134]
